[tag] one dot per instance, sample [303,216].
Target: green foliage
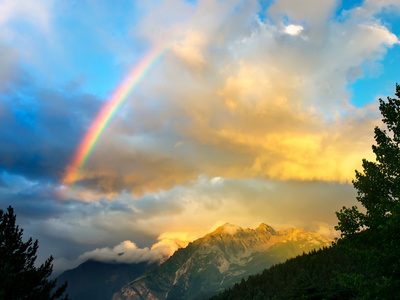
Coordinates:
[378,186]
[350,220]
[377,276]
[19,278]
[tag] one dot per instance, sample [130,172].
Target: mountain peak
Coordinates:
[231,229]
[228,228]
[218,260]
[265,227]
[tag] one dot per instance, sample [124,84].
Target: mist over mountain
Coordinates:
[219,259]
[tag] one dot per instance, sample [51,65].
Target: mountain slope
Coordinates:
[99,280]
[218,260]
[314,275]
[360,266]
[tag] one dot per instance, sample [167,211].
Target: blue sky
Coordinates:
[257,112]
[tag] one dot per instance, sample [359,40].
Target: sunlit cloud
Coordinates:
[263,105]
[128,252]
[293,29]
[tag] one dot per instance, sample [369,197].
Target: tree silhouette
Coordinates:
[19,277]
[373,236]
[378,186]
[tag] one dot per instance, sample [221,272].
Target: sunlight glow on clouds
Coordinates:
[293,29]
[267,102]
[249,117]
[128,252]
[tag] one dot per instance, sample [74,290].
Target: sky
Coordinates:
[235,111]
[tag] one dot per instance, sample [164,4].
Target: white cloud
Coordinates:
[37,13]
[314,13]
[128,252]
[293,29]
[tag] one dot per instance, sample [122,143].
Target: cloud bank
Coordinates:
[128,252]
[256,97]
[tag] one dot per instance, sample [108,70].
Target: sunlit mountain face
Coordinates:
[218,260]
[203,268]
[138,127]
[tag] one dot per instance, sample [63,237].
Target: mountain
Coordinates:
[319,274]
[99,280]
[363,265]
[218,260]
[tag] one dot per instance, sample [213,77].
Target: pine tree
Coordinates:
[19,277]
[378,186]
[373,236]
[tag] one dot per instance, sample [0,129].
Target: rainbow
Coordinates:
[107,113]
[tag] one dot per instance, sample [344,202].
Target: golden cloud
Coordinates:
[269,104]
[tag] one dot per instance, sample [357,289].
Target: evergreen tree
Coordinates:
[19,277]
[373,236]
[378,186]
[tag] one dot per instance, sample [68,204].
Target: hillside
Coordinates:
[309,276]
[363,266]
[99,280]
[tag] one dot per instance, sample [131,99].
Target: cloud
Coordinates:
[127,252]
[293,29]
[252,100]
[170,215]
[299,11]
[247,105]
[245,96]
[25,27]
[230,229]
[41,127]
[35,13]
[161,222]
[221,200]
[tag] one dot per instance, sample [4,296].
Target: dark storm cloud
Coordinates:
[41,127]
[30,199]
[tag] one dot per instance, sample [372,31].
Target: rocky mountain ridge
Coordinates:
[218,260]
